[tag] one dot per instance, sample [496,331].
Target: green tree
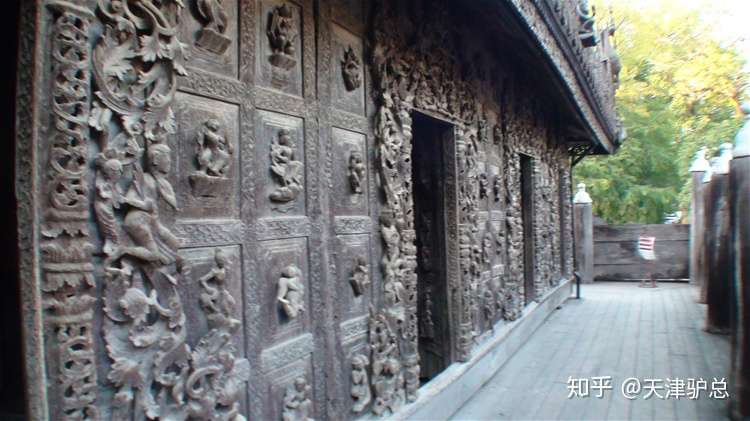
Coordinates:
[680,89]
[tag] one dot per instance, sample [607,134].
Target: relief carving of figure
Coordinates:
[360,278]
[212,37]
[297,403]
[393,266]
[484,135]
[387,376]
[108,199]
[356,171]
[153,242]
[351,69]
[360,391]
[214,158]
[216,300]
[291,291]
[288,171]
[487,243]
[282,36]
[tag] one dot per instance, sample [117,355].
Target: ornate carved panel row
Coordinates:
[227,234]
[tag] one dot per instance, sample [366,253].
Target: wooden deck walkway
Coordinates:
[616,330]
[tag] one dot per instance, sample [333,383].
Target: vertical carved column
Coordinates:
[697,171]
[583,223]
[68,281]
[708,229]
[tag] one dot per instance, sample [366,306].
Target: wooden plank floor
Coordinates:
[616,330]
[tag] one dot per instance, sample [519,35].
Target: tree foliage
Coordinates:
[680,89]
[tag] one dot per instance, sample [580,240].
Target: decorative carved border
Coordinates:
[286,353]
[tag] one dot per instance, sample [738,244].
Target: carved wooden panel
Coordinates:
[348,72]
[354,283]
[210,28]
[208,157]
[279,46]
[285,281]
[280,158]
[350,173]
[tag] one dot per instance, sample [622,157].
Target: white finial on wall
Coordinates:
[725,156]
[581,195]
[700,163]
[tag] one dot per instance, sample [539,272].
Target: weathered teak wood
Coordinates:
[215,198]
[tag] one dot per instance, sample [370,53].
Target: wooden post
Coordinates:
[697,172]
[708,229]
[583,222]
[740,187]
[719,292]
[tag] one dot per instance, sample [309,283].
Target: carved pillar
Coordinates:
[740,188]
[719,292]
[68,281]
[697,171]
[583,229]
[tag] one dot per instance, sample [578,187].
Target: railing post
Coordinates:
[719,292]
[697,172]
[740,187]
[583,224]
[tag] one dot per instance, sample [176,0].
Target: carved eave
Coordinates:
[597,125]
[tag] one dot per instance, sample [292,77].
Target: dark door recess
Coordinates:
[527,205]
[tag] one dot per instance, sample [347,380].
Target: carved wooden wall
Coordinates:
[227,226]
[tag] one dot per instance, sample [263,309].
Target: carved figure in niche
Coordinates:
[291,291]
[212,37]
[153,242]
[360,391]
[497,187]
[484,185]
[108,198]
[214,157]
[586,17]
[615,64]
[356,171]
[497,134]
[351,69]
[360,278]
[297,403]
[287,170]
[216,300]
[281,37]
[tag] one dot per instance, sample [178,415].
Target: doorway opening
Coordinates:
[428,175]
[527,215]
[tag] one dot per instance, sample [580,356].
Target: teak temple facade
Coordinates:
[292,209]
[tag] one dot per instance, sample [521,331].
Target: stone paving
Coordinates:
[620,330]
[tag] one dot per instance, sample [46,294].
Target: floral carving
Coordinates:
[289,172]
[212,36]
[291,291]
[351,69]
[67,285]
